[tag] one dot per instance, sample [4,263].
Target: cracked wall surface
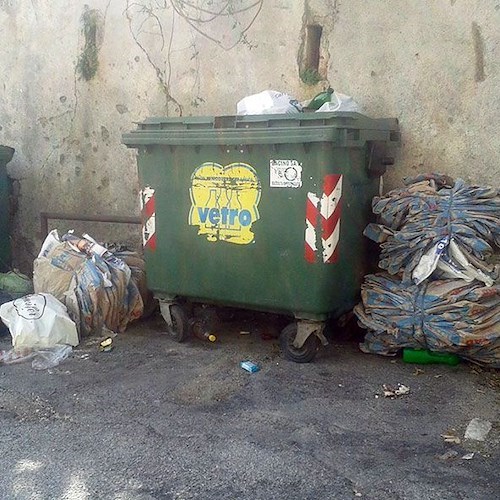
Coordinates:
[432,64]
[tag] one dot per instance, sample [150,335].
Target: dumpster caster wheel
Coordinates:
[306,353]
[179,330]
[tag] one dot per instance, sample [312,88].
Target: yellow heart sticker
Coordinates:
[224,202]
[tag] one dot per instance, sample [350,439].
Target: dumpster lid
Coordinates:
[263,129]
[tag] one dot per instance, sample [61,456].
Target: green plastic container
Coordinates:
[426,357]
[318,100]
[261,212]
[5,251]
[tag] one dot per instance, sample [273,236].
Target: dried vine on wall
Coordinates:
[158,19]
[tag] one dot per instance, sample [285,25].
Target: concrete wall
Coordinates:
[75,75]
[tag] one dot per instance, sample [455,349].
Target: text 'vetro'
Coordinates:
[225,216]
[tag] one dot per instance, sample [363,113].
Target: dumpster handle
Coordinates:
[225,121]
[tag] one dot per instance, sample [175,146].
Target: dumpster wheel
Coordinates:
[304,354]
[179,329]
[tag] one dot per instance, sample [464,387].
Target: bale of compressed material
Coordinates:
[437,223]
[450,316]
[98,289]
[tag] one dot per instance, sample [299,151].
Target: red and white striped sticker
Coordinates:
[330,217]
[312,214]
[148,211]
[324,213]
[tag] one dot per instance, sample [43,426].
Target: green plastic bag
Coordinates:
[15,284]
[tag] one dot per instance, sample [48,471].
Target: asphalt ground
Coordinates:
[153,419]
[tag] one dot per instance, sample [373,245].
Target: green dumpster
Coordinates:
[5,256]
[260,212]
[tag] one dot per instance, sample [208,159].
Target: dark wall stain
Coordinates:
[93,31]
[104,133]
[311,56]
[478,42]
[121,108]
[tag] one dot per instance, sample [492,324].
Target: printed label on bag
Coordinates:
[285,173]
[224,202]
[30,306]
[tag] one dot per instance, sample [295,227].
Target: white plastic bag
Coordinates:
[429,261]
[37,321]
[446,256]
[268,102]
[340,102]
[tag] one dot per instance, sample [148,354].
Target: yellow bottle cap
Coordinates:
[212,338]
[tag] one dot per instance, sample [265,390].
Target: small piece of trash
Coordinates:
[448,455]
[418,371]
[266,336]
[358,494]
[451,438]
[106,345]
[438,376]
[477,429]
[391,392]
[85,356]
[468,456]
[244,332]
[249,366]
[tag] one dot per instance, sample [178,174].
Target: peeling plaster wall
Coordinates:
[434,64]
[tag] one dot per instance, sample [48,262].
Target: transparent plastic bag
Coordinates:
[42,359]
[15,356]
[49,358]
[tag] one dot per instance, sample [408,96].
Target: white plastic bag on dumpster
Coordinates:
[38,321]
[340,102]
[268,102]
